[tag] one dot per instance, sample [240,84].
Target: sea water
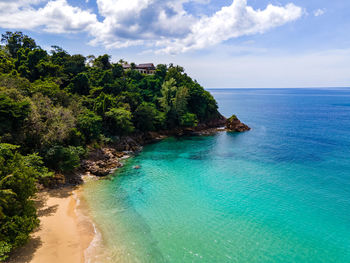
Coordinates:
[278,193]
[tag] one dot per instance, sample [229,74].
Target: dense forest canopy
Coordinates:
[53,105]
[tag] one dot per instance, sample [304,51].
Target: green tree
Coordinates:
[14,81]
[12,113]
[117,70]
[102,62]
[64,159]
[51,90]
[168,91]
[147,117]
[6,62]
[161,71]
[17,187]
[59,56]
[15,41]
[47,124]
[80,84]
[119,121]
[73,65]
[201,103]
[188,120]
[30,63]
[179,102]
[90,124]
[103,103]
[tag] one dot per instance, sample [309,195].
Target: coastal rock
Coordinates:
[129,143]
[102,162]
[218,121]
[234,124]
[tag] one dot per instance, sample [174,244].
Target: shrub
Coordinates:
[147,117]
[188,120]
[118,121]
[18,175]
[89,124]
[64,159]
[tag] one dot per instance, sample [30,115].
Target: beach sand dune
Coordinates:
[63,234]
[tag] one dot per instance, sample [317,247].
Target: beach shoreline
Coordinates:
[65,231]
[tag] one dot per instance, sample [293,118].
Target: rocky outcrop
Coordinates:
[234,124]
[102,162]
[218,121]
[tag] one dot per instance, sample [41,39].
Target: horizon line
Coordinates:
[347,87]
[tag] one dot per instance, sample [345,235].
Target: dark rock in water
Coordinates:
[234,124]
[137,167]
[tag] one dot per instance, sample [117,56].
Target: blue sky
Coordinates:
[222,43]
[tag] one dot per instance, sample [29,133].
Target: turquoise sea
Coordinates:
[278,193]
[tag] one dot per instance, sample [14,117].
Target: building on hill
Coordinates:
[146,68]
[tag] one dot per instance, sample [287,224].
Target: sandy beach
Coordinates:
[63,234]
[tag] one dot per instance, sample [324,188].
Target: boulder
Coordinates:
[234,124]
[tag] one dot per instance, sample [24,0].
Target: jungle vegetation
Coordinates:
[54,105]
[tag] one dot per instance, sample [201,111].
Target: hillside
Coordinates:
[55,106]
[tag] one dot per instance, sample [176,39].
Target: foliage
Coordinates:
[12,113]
[232,118]
[54,104]
[47,124]
[118,121]
[15,41]
[52,90]
[71,100]
[168,91]
[18,217]
[80,84]
[64,159]
[14,81]
[90,124]
[148,118]
[103,103]
[180,101]
[6,62]
[188,120]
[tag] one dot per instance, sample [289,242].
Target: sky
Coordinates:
[220,43]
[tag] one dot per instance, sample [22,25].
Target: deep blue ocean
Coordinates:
[278,193]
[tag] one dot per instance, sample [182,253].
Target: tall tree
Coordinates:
[168,89]
[15,41]
[179,102]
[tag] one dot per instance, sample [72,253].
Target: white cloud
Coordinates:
[129,22]
[319,12]
[55,17]
[233,21]
[157,24]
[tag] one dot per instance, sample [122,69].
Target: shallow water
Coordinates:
[279,193]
